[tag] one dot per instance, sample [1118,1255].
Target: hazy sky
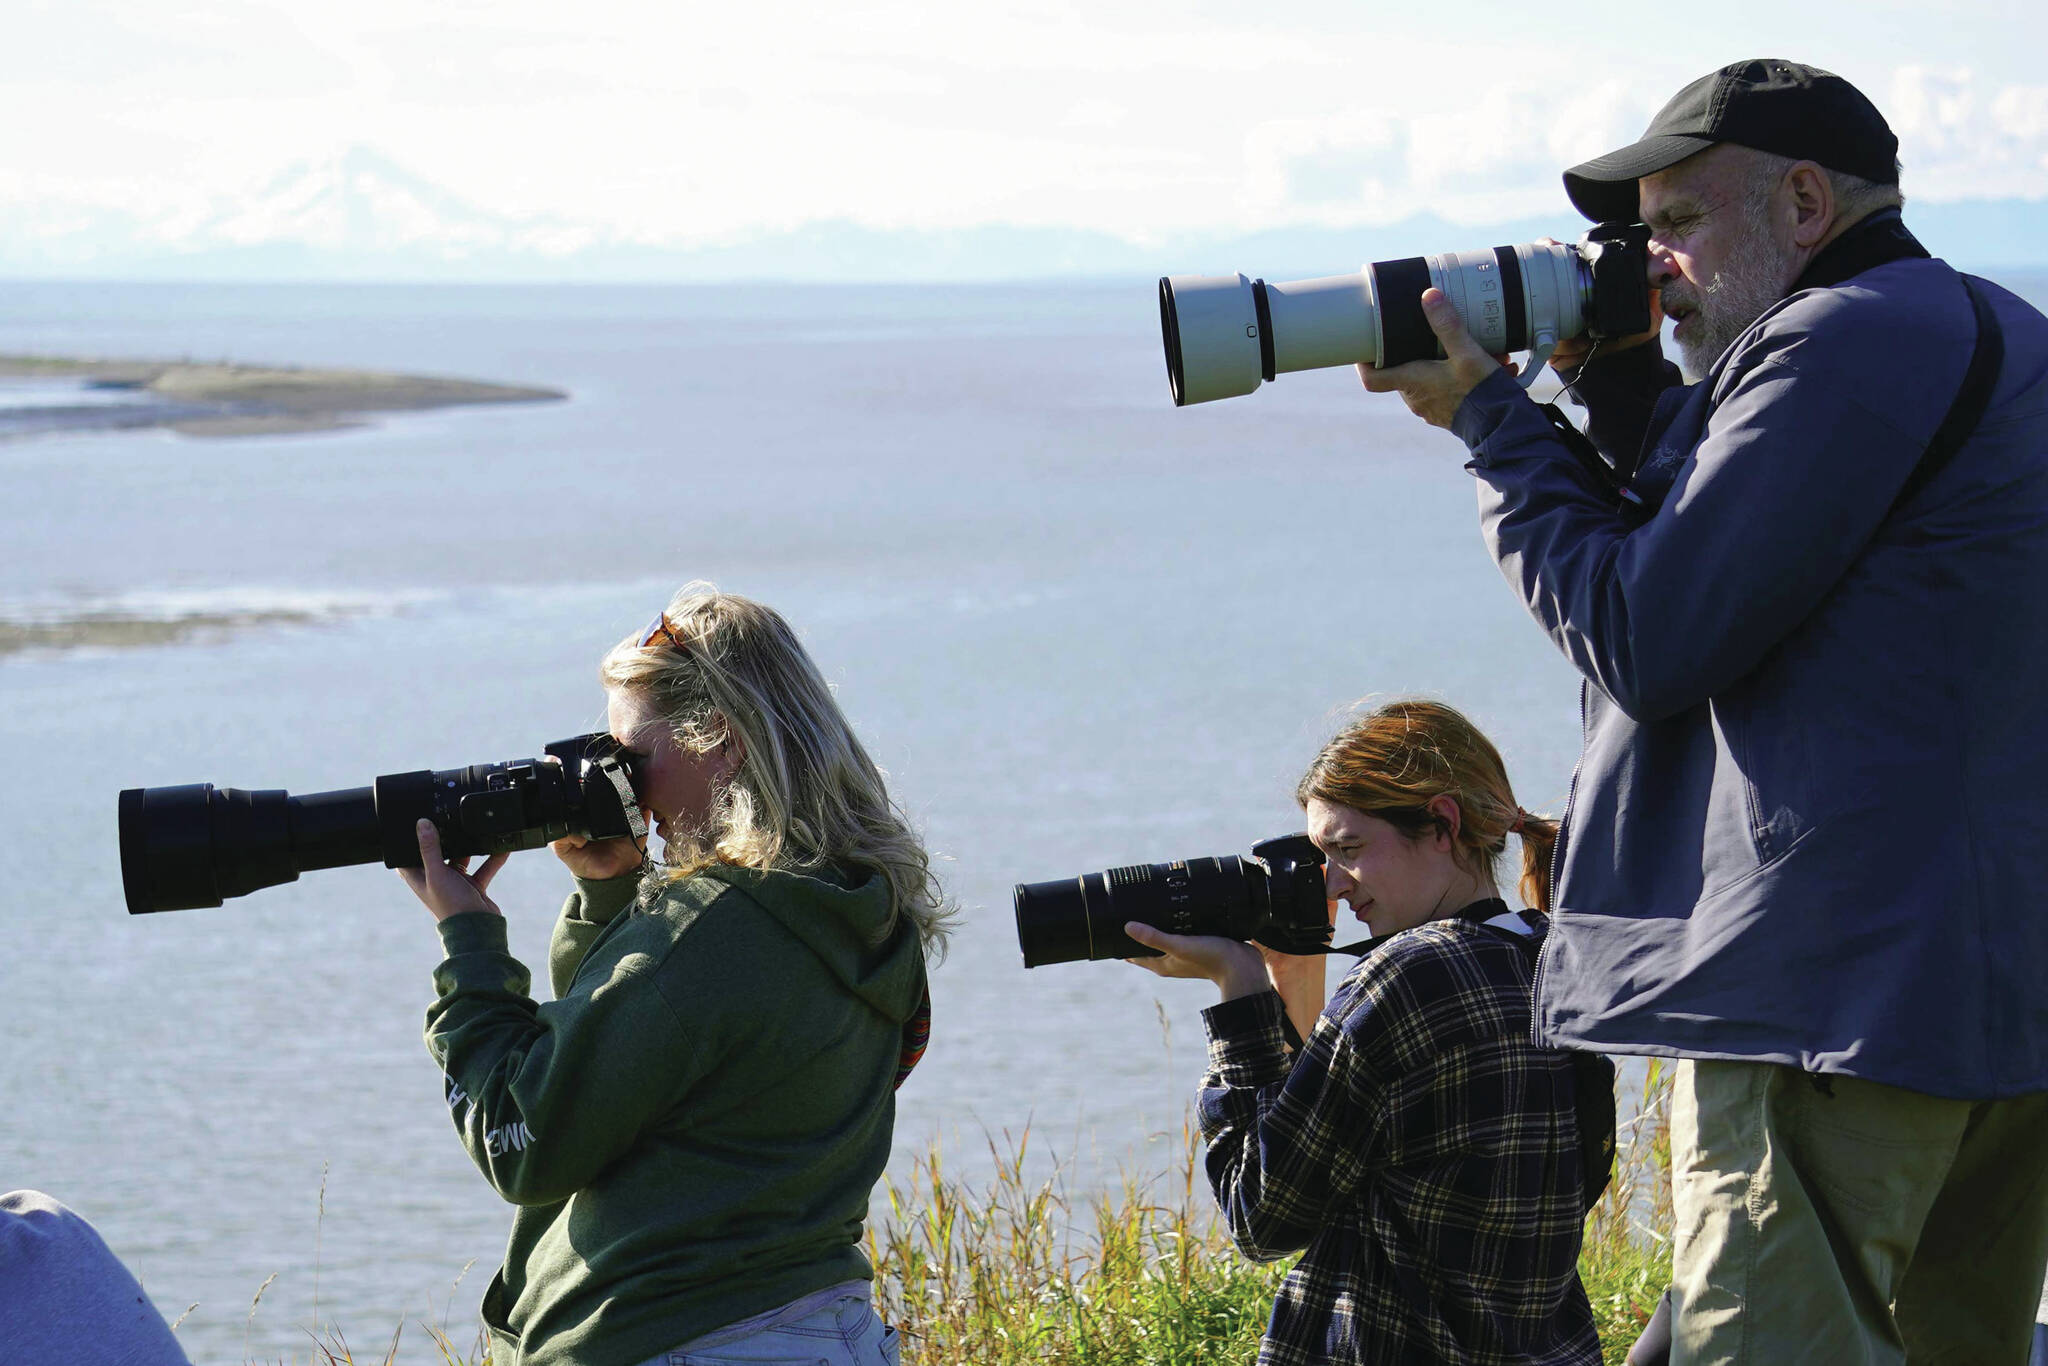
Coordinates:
[686,121]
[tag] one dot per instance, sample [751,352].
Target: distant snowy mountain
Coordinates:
[361,216]
[354,215]
[362,203]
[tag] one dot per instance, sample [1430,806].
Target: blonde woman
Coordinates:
[1417,1149]
[692,1128]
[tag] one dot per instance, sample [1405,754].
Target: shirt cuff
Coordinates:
[474,932]
[1246,1044]
[599,901]
[1483,411]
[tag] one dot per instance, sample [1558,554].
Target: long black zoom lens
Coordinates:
[186,847]
[192,846]
[1082,919]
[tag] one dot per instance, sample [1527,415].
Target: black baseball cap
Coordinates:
[1772,105]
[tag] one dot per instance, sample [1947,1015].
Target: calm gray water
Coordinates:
[1078,627]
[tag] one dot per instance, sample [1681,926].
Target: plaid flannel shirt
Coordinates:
[1420,1151]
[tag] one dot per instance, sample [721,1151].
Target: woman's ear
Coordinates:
[1449,820]
[731,751]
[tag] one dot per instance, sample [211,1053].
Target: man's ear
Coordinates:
[1812,196]
[1449,819]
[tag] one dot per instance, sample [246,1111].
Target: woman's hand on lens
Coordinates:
[1233,965]
[598,860]
[446,886]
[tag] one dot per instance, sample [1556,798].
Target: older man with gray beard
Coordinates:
[1807,843]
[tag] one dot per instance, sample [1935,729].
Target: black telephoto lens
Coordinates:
[197,845]
[1083,918]
[1275,896]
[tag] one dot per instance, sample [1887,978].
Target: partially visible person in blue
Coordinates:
[65,1298]
[1807,844]
[1418,1150]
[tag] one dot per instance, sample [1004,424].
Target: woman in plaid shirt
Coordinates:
[1418,1150]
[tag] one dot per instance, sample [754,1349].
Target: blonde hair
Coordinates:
[805,796]
[1395,759]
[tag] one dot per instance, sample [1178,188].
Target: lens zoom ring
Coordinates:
[1136,875]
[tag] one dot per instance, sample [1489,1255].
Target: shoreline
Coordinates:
[228,399]
[78,621]
[117,630]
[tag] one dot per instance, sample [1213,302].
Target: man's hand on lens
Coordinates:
[446,886]
[1433,389]
[598,860]
[1233,965]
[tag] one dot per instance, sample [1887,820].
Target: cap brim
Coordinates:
[1604,189]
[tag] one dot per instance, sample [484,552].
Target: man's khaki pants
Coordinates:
[1853,1224]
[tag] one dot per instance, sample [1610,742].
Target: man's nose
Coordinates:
[1336,883]
[1663,265]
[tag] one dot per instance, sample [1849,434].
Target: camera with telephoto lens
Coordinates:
[1275,897]
[1224,333]
[196,845]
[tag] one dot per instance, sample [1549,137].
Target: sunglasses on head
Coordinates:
[661,628]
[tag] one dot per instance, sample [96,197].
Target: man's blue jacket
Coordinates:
[1810,825]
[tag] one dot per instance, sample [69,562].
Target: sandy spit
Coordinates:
[246,400]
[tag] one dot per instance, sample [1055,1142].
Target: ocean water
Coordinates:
[1077,626]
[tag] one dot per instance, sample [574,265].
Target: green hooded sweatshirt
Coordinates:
[692,1129]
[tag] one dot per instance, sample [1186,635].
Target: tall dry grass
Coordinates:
[1012,1271]
[1626,1260]
[1005,1273]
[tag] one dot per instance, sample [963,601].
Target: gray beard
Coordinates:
[1751,281]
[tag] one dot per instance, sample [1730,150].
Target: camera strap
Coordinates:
[1987,357]
[1592,1073]
[1627,501]
[1479,912]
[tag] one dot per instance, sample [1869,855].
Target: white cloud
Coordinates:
[1496,157]
[690,121]
[1962,136]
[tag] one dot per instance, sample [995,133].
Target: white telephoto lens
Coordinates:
[1224,333]
[1555,282]
[1322,322]
[1211,327]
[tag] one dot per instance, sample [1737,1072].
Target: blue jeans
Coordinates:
[839,1330]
